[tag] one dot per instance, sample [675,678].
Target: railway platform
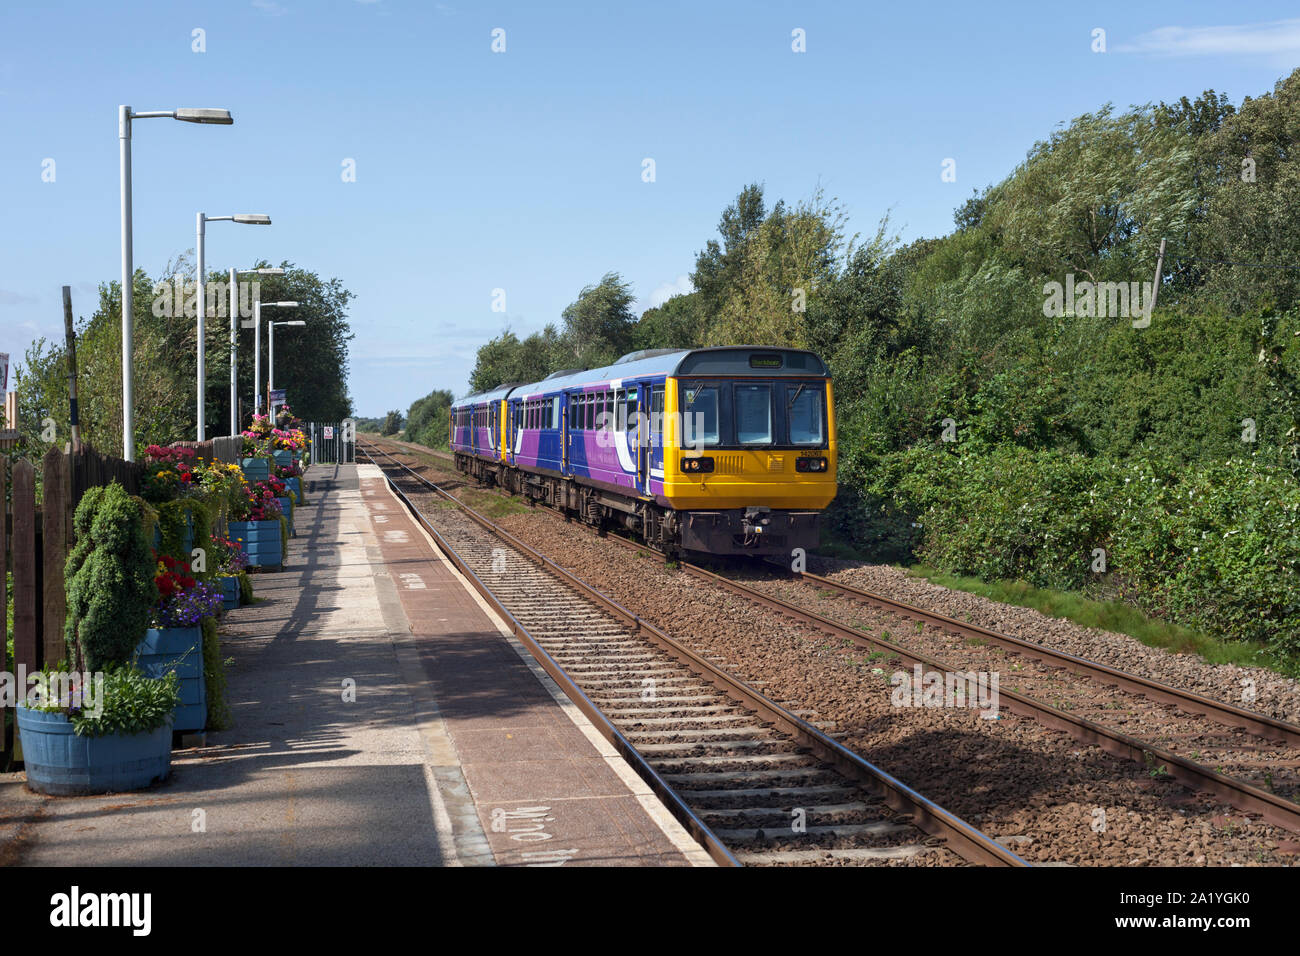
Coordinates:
[382,715]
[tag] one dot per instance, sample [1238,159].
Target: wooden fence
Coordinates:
[34,546]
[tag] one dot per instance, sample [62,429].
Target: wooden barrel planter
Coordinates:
[178,649]
[256,468]
[286,508]
[229,592]
[61,763]
[260,541]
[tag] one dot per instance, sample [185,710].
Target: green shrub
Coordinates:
[1216,547]
[214,674]
[245,588]
[110,578]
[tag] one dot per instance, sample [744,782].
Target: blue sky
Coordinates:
[522,170]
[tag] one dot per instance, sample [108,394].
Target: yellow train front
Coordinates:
[719,450]
[749,450]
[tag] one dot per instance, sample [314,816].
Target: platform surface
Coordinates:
[382,716]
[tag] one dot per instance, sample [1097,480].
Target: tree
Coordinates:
[599,325]
[392,423]
[782,267]
[311,362]
[427,421]
[717,267]
[680,323]
[1096,197]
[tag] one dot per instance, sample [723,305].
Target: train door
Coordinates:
[566,419]
[655,440]
[632,435]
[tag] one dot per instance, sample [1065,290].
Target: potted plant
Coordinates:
[174,641]
[120,739]
[230,564]
[256,528]
[291,475]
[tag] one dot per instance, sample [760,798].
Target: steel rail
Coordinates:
[1271,807]
[925,814]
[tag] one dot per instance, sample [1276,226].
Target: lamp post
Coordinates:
[270,374]
[201,220]
[234,339]
[257,347]
[124,118]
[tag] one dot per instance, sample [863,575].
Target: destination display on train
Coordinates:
[765,361]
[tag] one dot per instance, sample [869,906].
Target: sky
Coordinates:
[524,169]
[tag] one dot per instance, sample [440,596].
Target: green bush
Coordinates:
[1012,513]
[110,578]
[214,674]
[1215,547]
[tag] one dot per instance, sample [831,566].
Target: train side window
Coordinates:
[555,412]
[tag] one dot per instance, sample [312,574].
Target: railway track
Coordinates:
[755,783]
[1250,743]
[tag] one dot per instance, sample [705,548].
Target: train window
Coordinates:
[588,411]
[804,403]
[555,412]
[700,415]
[753,405]
[629,413]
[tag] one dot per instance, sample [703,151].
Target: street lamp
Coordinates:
[270,374]
[257,347]
[234,339]
[124,118]
[201,220]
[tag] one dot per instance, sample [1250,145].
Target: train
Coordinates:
[722,451]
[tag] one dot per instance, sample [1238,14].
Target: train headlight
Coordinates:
[811,464]
[695,466]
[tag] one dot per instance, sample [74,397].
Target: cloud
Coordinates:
[1275,38]
[665,291]
[15,298]
[271,8]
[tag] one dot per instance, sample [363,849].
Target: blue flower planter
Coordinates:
[283,457]
[180,649]
[286,506]
[229,592]
[260,541]
[61,763]
[295,485]
[255,469]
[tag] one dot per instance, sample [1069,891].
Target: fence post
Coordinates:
[56,531]
[26,648]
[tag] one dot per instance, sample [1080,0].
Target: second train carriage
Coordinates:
[721,450]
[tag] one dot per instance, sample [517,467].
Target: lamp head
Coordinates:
[217,117]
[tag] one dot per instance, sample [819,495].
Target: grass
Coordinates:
[1106,615]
